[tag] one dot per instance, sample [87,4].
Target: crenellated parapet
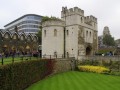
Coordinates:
[89,19]
[71,11]
[53,23]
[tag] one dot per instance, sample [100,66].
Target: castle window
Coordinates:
[44,33]
[67,32]
[90,34]
[67,55]
[55,32]
[86,33]
[81,20]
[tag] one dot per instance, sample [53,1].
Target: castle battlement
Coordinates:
[90,18]
[53,23]
[71,11]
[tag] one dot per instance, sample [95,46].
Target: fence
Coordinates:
[16,58]
[6,60]
[57,56]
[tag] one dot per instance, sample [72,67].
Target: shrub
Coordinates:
[18,76]
[89,62]
[96,69]
[116,73]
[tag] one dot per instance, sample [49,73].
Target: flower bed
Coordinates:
[96,69]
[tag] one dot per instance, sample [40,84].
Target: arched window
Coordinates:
[15,36]
[67,55]
[90,34]
[55,32]
[7,35]
[44,33]
[86,33]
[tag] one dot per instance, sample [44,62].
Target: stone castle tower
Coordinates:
[106,31]
[75,34]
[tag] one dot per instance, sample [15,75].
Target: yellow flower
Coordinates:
[96,69]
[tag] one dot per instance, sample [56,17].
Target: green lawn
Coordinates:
[78,81]
[16,59]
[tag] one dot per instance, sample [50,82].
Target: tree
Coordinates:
[108,40]
[46,18]
[39,35]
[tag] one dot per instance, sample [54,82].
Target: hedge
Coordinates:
[18,76]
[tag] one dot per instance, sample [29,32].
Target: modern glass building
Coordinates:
[28,23]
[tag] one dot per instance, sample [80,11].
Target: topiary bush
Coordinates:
[18,76]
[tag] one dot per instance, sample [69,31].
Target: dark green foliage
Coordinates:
[115,73]
[20,75]
[39,35]
[114,66]
[46,18]
[108,40]
[105,50]
[89,62]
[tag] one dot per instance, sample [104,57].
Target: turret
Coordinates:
[91,20]
[67,12]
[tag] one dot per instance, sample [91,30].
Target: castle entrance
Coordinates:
[88,50]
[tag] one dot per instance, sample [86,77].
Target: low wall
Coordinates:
[113,58]
[63,65]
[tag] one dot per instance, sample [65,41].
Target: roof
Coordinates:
[22,17]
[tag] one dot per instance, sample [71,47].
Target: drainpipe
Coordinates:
[65,33]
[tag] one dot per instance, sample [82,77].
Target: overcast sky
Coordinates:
[107,11]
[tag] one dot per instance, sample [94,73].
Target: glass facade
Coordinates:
[27,23]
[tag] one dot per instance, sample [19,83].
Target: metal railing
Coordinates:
[57,56]
[20,58]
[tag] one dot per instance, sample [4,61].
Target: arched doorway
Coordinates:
[88,50]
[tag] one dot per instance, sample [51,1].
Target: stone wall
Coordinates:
[63,65]
[113,58]
[52,44]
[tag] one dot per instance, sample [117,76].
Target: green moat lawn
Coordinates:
[16,59]
[74,80]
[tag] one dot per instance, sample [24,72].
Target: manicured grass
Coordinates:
[16,59]
[78,81]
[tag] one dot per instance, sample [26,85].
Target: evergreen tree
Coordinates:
[108,40]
